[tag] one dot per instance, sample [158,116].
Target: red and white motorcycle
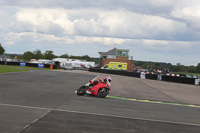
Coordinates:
[99,88]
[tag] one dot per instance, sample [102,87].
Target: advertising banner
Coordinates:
[22,64]
[40,65]
[197,81]
[143,75]
[159,77]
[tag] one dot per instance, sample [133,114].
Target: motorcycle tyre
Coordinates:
[81,91]
[104,95]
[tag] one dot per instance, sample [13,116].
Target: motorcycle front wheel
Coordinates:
[103,92]
[81,91]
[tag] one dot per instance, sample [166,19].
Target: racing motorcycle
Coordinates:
[99,88]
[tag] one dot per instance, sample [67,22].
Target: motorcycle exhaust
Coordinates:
[88,92]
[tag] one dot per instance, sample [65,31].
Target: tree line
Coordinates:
[161,65]
[37,54]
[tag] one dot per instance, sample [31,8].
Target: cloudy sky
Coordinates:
[153,30]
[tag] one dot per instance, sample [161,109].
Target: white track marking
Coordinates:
[92,80]
[34,121]
[116,116]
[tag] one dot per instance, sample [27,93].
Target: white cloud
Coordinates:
[170,46]
[49,38]
[116,23]
[189,11]
[10,43]
[92,22]
[157,26]
[45,20]
[99,40]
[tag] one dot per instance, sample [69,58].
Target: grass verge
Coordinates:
[26,67]
[185,73]
[6,70]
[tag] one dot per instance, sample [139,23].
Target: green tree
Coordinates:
[64,56]
[86,57]
[49,55]
[37,54]
[179,68]
[96,60]
[198,68]
[191,69]
[75,57]
[2,50]
[28,56]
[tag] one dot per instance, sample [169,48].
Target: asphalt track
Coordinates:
[45,102]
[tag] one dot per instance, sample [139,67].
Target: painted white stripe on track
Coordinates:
[116,116]
[92,80]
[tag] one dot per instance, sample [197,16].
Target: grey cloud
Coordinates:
[140,6]
[50,28]
[22,27]
[102,23]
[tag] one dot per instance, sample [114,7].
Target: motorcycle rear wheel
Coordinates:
[81,91]
[103,92]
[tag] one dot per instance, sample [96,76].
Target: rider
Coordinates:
[108,80]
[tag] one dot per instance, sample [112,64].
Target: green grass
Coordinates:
[185,73]
[26,67]
[6,70]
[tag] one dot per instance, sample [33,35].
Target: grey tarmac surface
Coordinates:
[45,102]
[61,122]
[144,89]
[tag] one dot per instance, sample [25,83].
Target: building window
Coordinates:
[122,53]
[119,53]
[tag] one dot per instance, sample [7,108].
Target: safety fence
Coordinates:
[143,75]
[40,65]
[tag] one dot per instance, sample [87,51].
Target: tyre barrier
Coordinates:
[171,74]
[168,78]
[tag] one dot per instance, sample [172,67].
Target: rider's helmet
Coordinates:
[109,78]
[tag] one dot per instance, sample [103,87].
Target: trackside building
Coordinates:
[116,55]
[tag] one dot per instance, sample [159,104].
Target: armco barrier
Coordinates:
[27,64]
[148,76]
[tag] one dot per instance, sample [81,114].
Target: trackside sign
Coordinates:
[40,65]
[22,64]
[143,75]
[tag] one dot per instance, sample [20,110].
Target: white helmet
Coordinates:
[109,78]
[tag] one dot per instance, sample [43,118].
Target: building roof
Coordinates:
[110,52]
[102,53]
